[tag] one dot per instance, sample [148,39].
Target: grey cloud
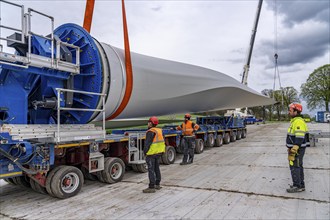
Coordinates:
[306,38]
[295,49]
[298,11]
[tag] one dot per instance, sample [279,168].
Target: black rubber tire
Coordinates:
[199,146]
[37,187]
[169,156]
[49,178]
[23,181]
[210,141]
[100,176]
[218,140]
[114,170]
[88,175]
[244,133]
[238,135]
[134,167]
[142,168]
[226,138]
[233,137]
[64,174]
[10,180]
[14,180]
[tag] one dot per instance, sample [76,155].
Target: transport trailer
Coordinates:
[31,156]
[214,131]
[218,130]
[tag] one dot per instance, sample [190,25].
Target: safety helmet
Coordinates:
[154,120]
[187,116]
[296,106]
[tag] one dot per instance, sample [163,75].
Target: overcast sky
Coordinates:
[213,34]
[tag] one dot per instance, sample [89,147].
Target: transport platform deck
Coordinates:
[243,180]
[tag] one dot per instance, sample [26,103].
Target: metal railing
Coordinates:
[32,59]
[59,108]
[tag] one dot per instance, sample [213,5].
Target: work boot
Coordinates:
[158,187]
[183,163]
[149,190]
[190,161]
[302,188]
[295,189]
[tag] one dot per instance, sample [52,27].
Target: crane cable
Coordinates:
[276,70]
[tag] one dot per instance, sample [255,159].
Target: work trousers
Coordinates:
[297,169]
[153,170]
[188,149]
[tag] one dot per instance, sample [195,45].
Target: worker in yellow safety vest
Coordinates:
[188,141]
[296,141]
[154,147]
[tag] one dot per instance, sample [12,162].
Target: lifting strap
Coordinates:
[129,70]
[89,15]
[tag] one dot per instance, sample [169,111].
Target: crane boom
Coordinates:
[253,36]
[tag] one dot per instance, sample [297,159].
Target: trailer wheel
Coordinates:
[143,168]
[239,135]
[169,156]
[22,181]
[37,187]
[114,170]
[233,137]
[10,180]
[219,140]
[243,133]
[226,139]
[134,167]
[199,146]
[100,176]
[67,182]
[49,178]
[210,140]
[88,175]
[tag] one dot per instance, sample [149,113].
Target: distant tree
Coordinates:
[316,90]
[268,108]
[290,95]
[278,106]
[283,98]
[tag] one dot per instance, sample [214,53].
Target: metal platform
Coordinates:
[49,133]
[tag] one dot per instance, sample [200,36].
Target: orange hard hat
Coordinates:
[296,106]
[154,120]
[187,116]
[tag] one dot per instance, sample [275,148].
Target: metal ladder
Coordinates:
[30,59]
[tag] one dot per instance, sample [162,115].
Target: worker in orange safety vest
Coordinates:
[188,141]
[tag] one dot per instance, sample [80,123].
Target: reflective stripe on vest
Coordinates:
[297,130]
[158,143]
[298,127]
